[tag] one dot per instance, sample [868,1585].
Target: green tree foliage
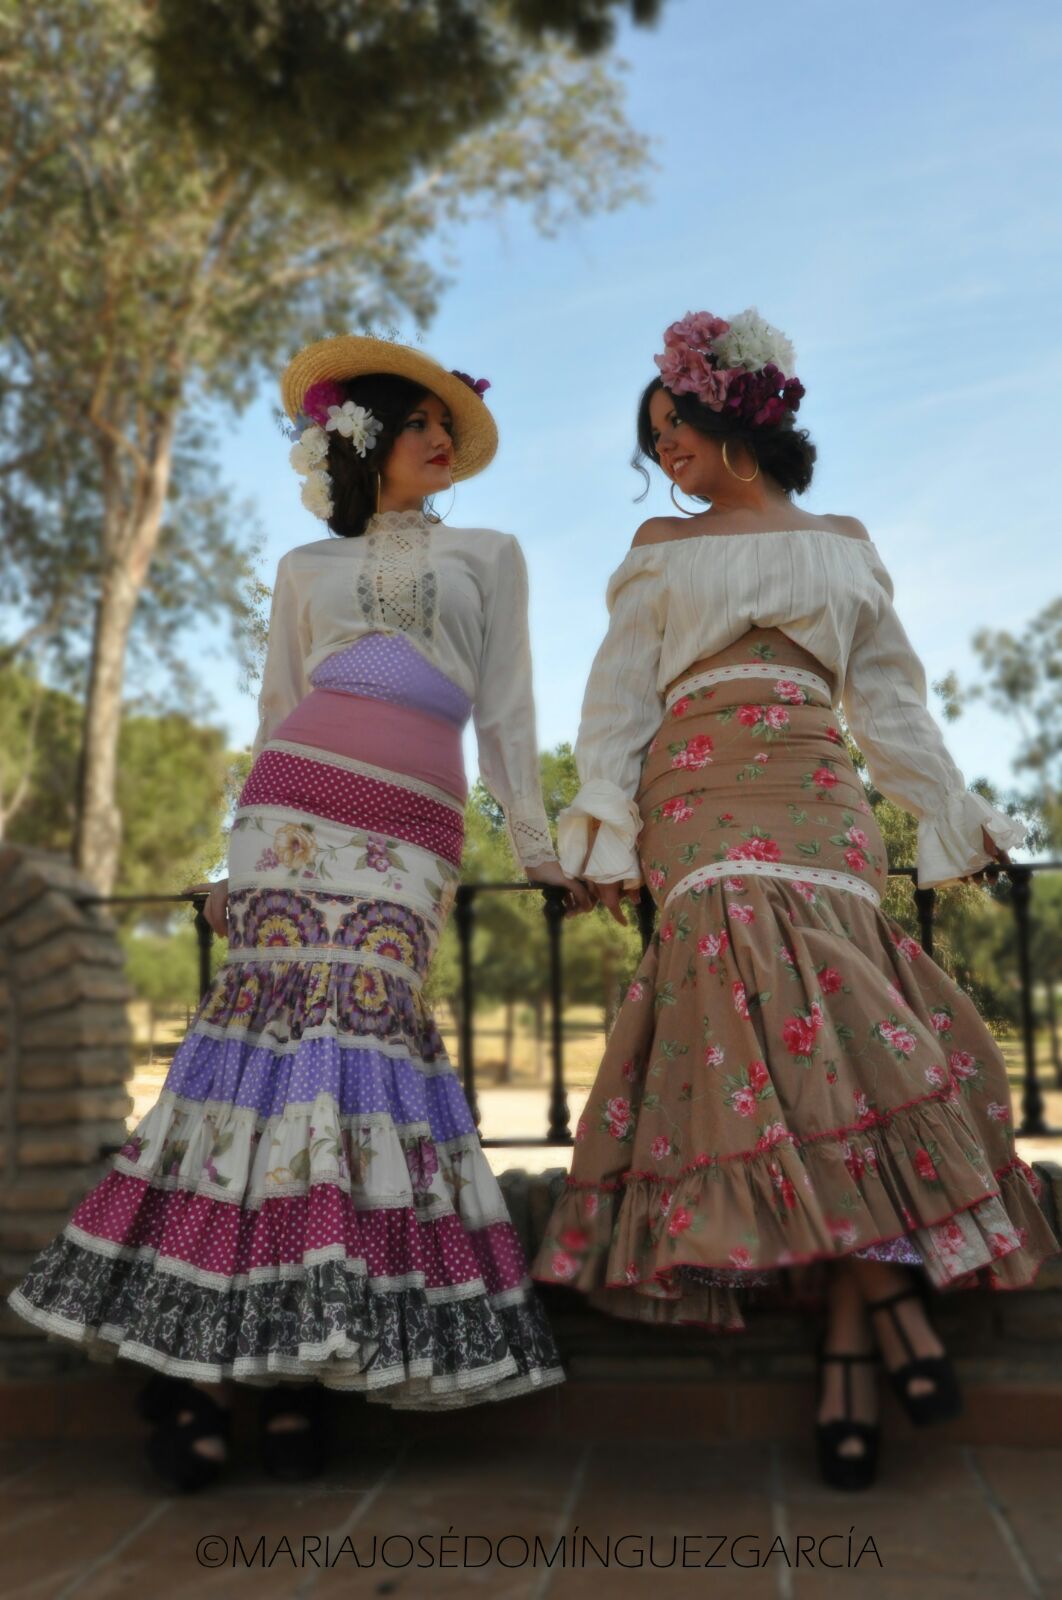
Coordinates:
[1022,680]
[347,99]
[175,781]
[168,239]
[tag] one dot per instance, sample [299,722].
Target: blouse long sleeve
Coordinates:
[284,681]
[886,707]
[503,713]
[622,709]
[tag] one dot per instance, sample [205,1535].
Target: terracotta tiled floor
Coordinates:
[948,1520]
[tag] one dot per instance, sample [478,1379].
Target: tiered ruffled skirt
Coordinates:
[308,1198]
[790,1079]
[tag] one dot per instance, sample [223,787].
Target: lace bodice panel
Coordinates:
[397,587]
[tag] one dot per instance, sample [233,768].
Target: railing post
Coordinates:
[1032,1101]
[464,920]
[559,1114]
[645,911]
[204,934]
[925,905]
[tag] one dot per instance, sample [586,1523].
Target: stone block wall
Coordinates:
[65,1057]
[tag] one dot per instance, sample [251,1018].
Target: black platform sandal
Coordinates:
[944,1400]
[295,1454]
[160,1397]
[837,1470]
[170,1447]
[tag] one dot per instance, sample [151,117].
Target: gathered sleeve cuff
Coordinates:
[886,707]
[284,680]
[950,843]
[614,856]
[622,710]
[503,713]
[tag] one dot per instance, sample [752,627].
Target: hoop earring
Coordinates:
[433,515]
[737,475]
[379,481]
[677,507]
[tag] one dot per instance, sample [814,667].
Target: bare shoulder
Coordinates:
[656,530]
[851,527]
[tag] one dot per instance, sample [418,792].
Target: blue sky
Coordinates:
[883,183]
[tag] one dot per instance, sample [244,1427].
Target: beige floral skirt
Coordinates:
[790,1079]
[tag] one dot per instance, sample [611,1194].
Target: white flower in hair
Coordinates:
[311,449]
[317,494]
[751,343]
[355,424]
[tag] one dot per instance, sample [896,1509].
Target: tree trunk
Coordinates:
[510,1028]
[128,546]
[11,804]
[1052,1024]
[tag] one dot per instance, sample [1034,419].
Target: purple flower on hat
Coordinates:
[318,398]
[477,385]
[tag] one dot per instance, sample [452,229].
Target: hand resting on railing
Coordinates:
[216,909]
[578,897]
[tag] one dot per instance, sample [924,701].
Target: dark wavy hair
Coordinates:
[784,452]
[391,400]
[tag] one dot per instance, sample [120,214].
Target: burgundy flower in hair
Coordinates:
[318,398]
[763,398]
[477,385]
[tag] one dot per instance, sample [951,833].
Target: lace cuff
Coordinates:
[529,833]
[614,858]
[950,844]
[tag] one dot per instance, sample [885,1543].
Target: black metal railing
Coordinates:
[1020,877]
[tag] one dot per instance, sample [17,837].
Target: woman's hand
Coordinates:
[1000,857]
[216,908]
[578,896]
[611,896]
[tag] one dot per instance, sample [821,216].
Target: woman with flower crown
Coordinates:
[308,1199]
[791,1081]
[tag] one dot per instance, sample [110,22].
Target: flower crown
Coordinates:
[743,367]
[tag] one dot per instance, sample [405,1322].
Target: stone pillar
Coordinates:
[65,1057]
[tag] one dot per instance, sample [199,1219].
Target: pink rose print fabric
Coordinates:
[790,1078]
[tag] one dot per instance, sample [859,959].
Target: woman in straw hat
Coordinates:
[791,1081]
[308,1199]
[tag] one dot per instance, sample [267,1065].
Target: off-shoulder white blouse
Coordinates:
[674,602]
[459,595]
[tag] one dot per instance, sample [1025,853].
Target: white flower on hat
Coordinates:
[317,494]
[311,449]
[356,424]
[751,343]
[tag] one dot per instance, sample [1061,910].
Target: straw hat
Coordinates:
[353,355]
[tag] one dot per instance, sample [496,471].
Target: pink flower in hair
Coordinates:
[696,328]
[318,398]
[686,371]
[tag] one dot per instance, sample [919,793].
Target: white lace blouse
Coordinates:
[674,602]
[459,595]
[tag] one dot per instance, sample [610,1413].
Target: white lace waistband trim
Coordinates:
[844,881]
[752,669]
